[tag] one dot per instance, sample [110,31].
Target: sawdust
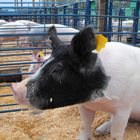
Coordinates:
[55,124]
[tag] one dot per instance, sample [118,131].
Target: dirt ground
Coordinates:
[55,124]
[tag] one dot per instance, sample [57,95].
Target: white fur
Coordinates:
[121,63]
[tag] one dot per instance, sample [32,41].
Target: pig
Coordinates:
[39,40]
[2,22]
[27,23]
[127,26]
[76,74]
[10,29]
[37,57]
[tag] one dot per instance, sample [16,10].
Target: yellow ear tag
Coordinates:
[101,41]
[41,53]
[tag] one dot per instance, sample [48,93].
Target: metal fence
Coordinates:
[116,19]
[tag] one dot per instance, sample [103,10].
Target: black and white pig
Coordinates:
[76,74]
[65,34]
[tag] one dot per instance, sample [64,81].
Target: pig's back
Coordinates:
[122,63]
[119,56]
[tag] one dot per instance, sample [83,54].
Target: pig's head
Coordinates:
[72,75]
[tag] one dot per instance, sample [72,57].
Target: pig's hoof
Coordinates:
[84,137]
[117,138]
[103,129]
[35,112]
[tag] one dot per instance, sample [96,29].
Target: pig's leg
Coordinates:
[87,117]
[104,128]
[119,122]
[135,114]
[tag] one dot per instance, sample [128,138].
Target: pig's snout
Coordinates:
[20,92]
[34,96]
[30,88]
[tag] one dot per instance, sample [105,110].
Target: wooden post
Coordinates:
[101,13]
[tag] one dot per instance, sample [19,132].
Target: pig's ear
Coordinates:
[33,58]
[56,43]
[84,42]
[14,87]
[52,31]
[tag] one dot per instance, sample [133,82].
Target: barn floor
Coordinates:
[56,124]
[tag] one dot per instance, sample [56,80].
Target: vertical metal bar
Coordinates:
[33,1]
[87,12]
[135,24]
[21,3]
[120,24]
[97,12]
[105,18]
[64,18]
[110,19]
[56,14]
[75,12]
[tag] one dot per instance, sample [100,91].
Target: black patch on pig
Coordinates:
[72,77]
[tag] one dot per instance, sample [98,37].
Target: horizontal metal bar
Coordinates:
[13,110]
[39,8]
[19,48]
[5,85]
[16,74]
[5,95]
[41,2]
[24,54]
[2,105]
[15,67]
[45,15]
[40,26]
[34,34]
[7,55]
[18,63]
[10,35]
[13,61]
[61,3]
